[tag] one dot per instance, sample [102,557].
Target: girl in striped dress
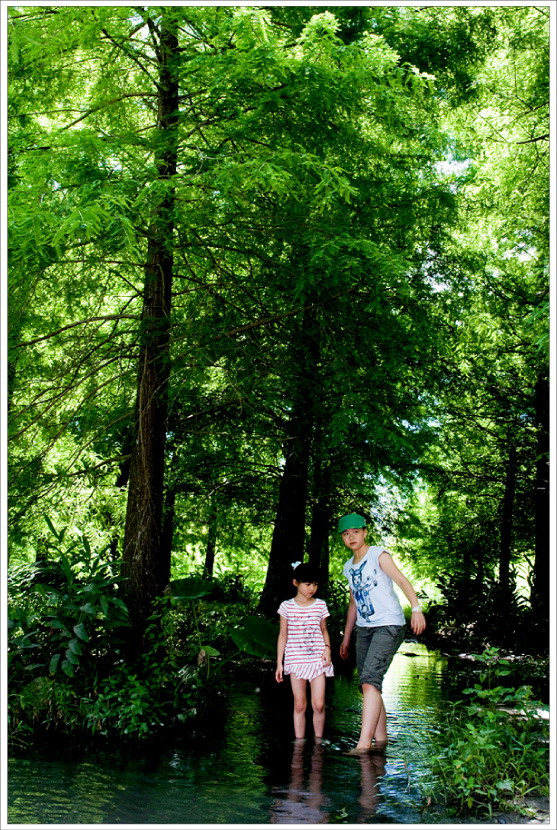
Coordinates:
[304,646]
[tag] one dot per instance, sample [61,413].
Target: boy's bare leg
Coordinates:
[380,734]
[300,703]
[373,711]
[318,704]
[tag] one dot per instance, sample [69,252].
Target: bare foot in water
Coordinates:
[378,747]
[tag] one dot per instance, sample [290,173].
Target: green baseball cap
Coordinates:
[350,521]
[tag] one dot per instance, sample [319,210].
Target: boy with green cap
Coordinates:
[376,613]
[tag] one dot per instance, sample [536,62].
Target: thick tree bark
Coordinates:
[145,571]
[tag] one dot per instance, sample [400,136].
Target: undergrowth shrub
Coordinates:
[68,665]
[469,615]
[495,744]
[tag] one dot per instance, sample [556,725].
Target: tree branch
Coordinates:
[89,112]
[132,57]
[544,137]
[78,323]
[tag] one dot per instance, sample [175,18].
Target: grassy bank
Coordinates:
[494,748]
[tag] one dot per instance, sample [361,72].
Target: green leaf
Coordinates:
[120,604]
[67,568]
[71,657]
[59,624]
[53,529]
[81,632]
[210,651]
[67,668]
[75,646]
[86,546]
[189,588]
[256,636]
[54,660]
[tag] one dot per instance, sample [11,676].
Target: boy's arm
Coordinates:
[281,644]
[387,565]
[348,628]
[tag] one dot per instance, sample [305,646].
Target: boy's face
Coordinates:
[354,537]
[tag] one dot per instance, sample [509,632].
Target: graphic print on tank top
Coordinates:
[362,586]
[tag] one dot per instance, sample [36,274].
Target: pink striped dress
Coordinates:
[303,655]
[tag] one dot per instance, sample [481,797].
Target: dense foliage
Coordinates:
[70,673]
[495,747]
[267,265]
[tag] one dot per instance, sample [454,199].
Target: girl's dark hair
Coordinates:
[306,573]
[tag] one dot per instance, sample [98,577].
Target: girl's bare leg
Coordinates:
[318,704]
[372,712]
[300,703]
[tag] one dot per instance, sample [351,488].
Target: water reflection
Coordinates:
[248,770]
[305,799]
[372,769]
[302,803]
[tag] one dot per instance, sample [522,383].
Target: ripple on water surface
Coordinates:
[252,772]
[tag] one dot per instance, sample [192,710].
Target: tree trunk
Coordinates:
[145,571]
[288,542]
[479,578]
[287,545]
[507,521]
[318,547]
[540,588]
[211,537]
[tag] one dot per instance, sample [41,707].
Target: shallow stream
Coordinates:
[248,769]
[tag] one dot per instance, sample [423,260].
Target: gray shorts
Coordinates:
[375,649]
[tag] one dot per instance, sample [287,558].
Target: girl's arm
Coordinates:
[348,628]
[388,566]
[327,649]
[281,644]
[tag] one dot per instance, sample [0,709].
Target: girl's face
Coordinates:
[306,589]
[354,537]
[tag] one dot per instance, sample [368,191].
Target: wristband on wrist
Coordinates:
[416,608]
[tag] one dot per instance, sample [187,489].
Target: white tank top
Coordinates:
[374,594]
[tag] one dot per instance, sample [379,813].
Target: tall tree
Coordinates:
[145,570]
[490,463]
[236,272]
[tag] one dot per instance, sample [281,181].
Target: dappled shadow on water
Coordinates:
[248,769]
